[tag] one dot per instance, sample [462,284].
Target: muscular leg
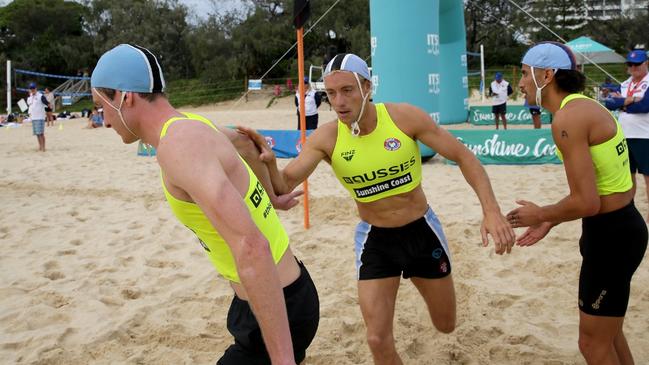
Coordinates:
[377,299]
[496,118]
[439,295]
[598,337]
[622,349]
[504,121]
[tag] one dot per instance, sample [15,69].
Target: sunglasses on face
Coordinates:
[636,64]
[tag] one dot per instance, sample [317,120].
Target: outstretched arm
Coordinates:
[250,153]
[298,169]
[440,140]
[193,160]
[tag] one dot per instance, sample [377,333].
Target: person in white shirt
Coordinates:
[312,101]
[499,91]
[37,103]
[633,103]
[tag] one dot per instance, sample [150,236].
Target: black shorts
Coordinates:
[48,109]
[499,109]
[418,249]
[311,121]
[303,309]
[638,155]
[612,246]
[535,111]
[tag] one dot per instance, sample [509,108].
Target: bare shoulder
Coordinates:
[578,113]
[572,121]
[411,119]
[189,140]
[404,110]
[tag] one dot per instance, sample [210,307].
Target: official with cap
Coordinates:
[633,104]
[500,91]
[37,103]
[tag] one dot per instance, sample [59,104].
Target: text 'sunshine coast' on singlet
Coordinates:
[261,210]
[610,158]
[383,163]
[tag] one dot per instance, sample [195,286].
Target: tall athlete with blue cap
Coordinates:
[211,189]
[373,150]
[592,146]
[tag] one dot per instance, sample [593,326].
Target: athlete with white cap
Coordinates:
[373,150]
[211,189]
[592,146]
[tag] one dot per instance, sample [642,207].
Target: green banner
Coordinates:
[516,114]
[510,147]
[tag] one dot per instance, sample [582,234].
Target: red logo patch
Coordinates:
[392,144]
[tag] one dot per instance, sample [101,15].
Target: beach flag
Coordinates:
[301,12]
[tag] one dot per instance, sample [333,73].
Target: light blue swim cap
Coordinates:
[550,55]
[348,62]
[128,68]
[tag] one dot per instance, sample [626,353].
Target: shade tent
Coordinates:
[595,52]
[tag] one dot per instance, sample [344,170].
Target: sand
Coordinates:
[95,269]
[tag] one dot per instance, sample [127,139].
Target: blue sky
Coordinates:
[198,6]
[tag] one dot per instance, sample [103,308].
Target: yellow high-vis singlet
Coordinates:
[258,202]
[610,158]
[378,165]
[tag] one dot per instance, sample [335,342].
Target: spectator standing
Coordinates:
[37,103]
[312,101]
[633,103]
[500,91]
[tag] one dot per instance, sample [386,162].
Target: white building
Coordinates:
[607,9]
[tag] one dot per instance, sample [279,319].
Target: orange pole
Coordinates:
[300,67]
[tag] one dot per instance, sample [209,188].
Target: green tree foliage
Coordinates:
[495,24]
[566,18]
[262,38]
[45,35]
[160,26]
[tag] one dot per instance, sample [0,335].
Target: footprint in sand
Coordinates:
[134,225]
[66,252]
[54,299]
[159,264]
[54,275]
[131,293]
[504,301]
[76,242]
[4,232]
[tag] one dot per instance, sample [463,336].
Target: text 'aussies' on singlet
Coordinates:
[258,202]
[383,163]
[610,158]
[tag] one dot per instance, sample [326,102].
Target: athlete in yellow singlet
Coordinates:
[592,146]
[373,151]
[214,192]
